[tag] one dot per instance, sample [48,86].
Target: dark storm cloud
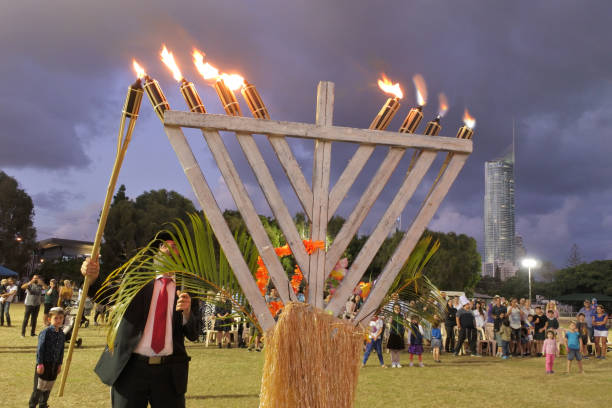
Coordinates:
[545,65]
[54,199]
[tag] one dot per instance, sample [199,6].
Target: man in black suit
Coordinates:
[149,363]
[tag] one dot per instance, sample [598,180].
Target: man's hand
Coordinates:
[183,303]
[40,369]
[90,269]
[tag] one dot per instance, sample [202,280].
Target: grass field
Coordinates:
[231,378]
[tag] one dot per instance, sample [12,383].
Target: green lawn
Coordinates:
[230,378]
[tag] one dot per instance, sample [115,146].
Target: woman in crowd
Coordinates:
[51,300]
[600,328]
[65,295]
[396,336]
[552,305]
[515,316]
[223,320]
[449,326]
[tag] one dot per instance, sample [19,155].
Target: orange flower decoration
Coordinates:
[296,279]
[312,246]
[275,307]
[283,251]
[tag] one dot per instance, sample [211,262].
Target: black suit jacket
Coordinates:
[130,331]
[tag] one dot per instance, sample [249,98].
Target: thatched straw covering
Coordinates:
[312,360]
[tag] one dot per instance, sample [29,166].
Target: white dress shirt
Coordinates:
[144,345]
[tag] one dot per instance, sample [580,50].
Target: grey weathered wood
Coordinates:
[348,177]
[275,200]
[217,222]
[310,131]
[293,171]
[382,230]
[363,207]
[249,214]
[411,237]
[320,192]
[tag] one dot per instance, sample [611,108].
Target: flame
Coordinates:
[233,81]
[140,72]
[443,101]
[469,120]
[389,87]
[421,89]
[168,59]
[205,69]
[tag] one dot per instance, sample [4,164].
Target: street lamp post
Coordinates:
[529,263]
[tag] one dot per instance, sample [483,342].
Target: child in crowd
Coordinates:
[573,341]
[416,341]
[583,329]
[551,321]
[375,340]
[49,357]
[549,349]
[529,329]
[436,340]
[395,342]
[505,334]
[497,324]
[539,328]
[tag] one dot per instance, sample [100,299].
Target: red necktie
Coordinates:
[158,340]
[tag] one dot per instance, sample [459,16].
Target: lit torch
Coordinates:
[465,132]
[225,84]
[415,115]
[188,90]
[130,111]
[156,96]
[433,127]
[390,108]
[254,101]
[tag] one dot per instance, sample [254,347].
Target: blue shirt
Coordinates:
[50,346]
[588,315]
[573,341]
[436,333]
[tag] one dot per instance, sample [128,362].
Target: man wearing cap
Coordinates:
[149,363]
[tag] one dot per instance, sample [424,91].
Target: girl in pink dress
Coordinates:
[549,349]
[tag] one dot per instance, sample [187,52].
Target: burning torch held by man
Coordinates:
[149,363]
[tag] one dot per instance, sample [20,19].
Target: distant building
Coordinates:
[519,250]
[56,249]
[499,226]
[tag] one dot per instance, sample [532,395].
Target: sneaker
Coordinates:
[475,355]
[249,349]
[421,365]
[398,365]
[438,361]
[383,366]
[504,357]
[411,364]
[258,350]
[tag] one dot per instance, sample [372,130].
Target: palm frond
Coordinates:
[412,290]
[199,266]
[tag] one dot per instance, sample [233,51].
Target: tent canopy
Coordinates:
[580,297]
[7,272]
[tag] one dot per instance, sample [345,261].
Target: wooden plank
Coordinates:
[410,239]
[217,222]
[348,177]
[310,131]
[249,214]
[361,210]
[382,230]
[293,171]
[275,200]
[320,192]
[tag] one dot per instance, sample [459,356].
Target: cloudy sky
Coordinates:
[546,65]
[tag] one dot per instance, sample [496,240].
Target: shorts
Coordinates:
[47,308]
[539,336]
[600,333]
[516,334]
[436,344]
[574,354]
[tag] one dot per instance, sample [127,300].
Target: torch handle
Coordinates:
[121,149]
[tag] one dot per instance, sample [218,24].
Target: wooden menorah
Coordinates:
[318,202]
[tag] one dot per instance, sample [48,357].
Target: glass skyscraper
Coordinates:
[499,228]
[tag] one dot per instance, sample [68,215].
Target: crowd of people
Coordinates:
[505,328]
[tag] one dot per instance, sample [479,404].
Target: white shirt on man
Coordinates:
[144,345]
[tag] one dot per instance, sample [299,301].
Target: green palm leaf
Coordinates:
[412,285]
[200,267]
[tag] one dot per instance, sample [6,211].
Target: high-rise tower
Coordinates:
[499,228]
